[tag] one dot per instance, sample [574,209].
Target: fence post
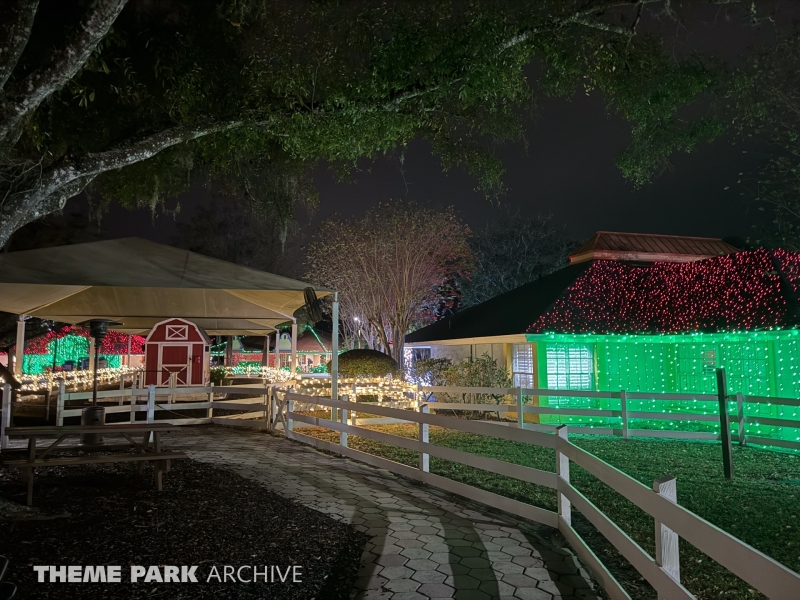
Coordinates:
[62,392]
[210,413]
[724,424]
[151,406]
[6,417]
[334,412]
[289,411]
[273,407]
[133,399]
[424,457]
[667,551]
[740,417]
[520,414]
[122,388]
[173,383]
[562,471]
[151,403]
[343,415]
[623,403]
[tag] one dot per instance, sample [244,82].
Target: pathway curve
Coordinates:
[424,544]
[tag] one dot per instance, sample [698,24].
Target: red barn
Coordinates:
[177,346]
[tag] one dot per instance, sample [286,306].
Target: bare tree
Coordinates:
[388,264]
[511,251]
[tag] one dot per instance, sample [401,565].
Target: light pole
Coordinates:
[95,415]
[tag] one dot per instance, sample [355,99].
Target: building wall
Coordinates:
[469,351]
[756,364]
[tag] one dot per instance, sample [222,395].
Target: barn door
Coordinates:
[175,359]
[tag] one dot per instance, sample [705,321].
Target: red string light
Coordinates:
[739,291]
[114,343]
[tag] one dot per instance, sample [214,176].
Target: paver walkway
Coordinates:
[424,544]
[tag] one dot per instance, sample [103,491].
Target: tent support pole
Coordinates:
[294,347]
[19,355]
[335,349]
[265,352]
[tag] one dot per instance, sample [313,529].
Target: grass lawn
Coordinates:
[760,506]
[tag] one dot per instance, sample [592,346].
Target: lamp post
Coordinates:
[95,415]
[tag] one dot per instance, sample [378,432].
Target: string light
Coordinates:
[737,292]
[395,389]
[665,328]
[270,374]
[74,379]
[71,343]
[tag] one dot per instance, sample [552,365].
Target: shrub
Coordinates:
[429,371]
[479,372]
[217,375]
[367,363]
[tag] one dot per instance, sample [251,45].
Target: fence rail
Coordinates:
[739,410]
[671,521]
[156,399]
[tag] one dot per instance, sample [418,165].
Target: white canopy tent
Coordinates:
[140,283]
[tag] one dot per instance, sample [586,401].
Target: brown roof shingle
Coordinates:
[648,247]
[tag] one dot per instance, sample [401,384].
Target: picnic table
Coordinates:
[147,451]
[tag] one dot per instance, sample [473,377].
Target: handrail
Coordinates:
[754,567]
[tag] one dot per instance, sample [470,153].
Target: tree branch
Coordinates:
[25,96]
[16,20]
[63,181]
[578,18]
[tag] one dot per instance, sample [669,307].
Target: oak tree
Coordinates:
[140,99]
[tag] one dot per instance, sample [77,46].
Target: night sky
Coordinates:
[568,167]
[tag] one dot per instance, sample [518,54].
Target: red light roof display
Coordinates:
[746,290]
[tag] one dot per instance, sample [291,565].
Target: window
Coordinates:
[420,354]
[709,361]
[177,332]
[522,365]
[570,367]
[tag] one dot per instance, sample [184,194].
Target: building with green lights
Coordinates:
[641,313]
[69,348]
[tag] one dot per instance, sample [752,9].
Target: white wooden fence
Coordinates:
[151,400]
[671,521]
[738,407]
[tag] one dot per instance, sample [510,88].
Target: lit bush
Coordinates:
[367,363]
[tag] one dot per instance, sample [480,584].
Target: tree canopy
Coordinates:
[511,251]
[141,99]
[387,266]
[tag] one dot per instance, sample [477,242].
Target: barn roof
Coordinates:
[139,283]
[648,247]
[746,290]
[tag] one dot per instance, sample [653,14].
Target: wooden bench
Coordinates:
[148,451]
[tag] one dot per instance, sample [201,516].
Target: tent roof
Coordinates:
[140,283]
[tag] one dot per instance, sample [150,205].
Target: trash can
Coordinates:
[93,415]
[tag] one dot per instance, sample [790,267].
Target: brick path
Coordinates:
[424,544]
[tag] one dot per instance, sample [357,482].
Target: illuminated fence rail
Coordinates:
[748,423]
[671,521]
[174,400]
